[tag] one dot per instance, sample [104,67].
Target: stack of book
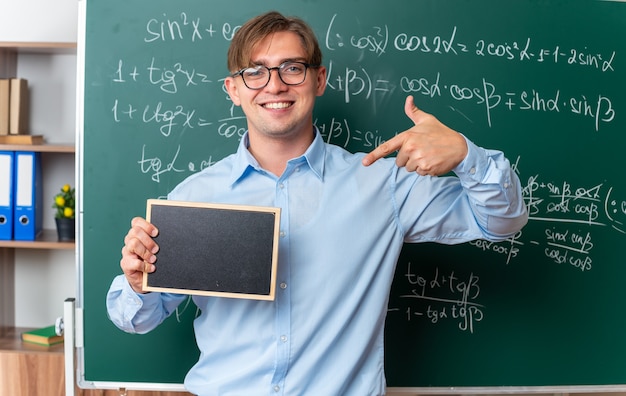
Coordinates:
[14,113]
[46,336]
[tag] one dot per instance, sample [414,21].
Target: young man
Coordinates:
[344,220]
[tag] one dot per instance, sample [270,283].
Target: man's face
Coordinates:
[279,110]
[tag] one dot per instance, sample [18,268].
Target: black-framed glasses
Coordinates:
[290,73]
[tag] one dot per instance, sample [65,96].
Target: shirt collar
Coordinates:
[244,162]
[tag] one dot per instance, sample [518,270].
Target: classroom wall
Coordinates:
[38,20]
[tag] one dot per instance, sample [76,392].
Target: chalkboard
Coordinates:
[228,251]
[542,80]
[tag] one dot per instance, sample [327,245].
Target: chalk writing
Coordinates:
[154,165]
[181,27]
[598,109]
[562,205]
[572,212]
[357,82]
[167,119]
[167,78]
[339,132]
[440,297]
[184,27]
[509,248]
[451,42]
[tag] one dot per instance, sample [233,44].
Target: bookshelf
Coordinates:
[30,369]
[58,159]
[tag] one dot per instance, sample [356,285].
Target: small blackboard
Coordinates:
[214,249]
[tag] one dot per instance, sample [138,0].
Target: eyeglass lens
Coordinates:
[291,73]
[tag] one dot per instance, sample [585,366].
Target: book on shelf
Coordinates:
[5,90]
[46,336]
[18,106]
[21,139]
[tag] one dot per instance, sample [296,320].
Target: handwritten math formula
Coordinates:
[439,297]
[571,214]
[372,64]
[358,81]
[569,217]
[363,84]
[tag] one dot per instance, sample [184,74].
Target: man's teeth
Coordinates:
[280,105]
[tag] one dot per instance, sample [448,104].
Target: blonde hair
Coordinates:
[257,28]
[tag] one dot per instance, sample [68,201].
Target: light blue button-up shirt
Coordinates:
[342,227]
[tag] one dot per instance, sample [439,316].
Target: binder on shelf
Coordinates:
[18,107]
[5,90]
[6,194]
[27,214]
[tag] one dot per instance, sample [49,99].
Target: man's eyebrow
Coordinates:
[296,59]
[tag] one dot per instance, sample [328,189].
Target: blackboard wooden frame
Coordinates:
[213,249]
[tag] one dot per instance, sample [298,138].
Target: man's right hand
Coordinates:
[138,253]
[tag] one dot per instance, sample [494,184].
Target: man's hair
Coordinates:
[257,28]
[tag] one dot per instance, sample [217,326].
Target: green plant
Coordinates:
[64,202]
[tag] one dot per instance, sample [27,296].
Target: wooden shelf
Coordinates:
[43,148]
[12,342]
[47,240]
[30,369]
[9,51]
[40,47]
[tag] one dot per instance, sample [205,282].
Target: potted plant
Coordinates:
[64,203]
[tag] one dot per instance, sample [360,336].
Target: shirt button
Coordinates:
[282,234]
[283,338]
[281,186]
[472,171]
[276,388]
[506,185]
[283,285]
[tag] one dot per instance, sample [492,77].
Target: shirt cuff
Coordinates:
[124,304]
[474,165]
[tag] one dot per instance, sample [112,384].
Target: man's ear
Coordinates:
[232,90]
[321,80]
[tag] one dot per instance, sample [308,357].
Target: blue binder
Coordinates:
[27,214]
[6,194]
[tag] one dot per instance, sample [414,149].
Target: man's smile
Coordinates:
[277,105]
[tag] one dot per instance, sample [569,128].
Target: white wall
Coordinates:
[45,278]
[38,20]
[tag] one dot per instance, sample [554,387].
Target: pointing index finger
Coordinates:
[383,150]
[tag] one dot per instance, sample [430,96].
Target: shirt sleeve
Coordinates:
[494,192]
[138,313]
[483,201]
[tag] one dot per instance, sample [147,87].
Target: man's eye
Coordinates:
[293,68]
[254,73]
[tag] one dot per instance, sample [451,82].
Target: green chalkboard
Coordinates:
[542,80]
